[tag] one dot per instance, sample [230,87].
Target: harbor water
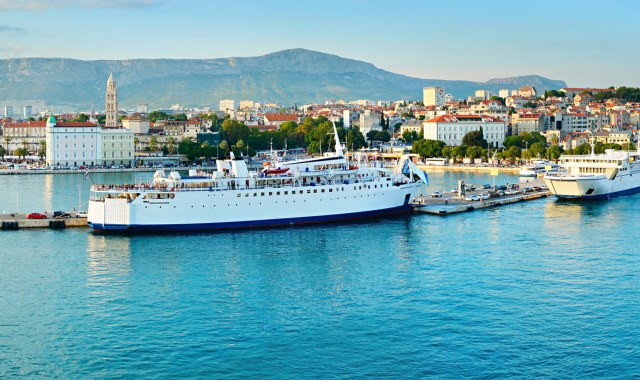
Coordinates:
[537,289]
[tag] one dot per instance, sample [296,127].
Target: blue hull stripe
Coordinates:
[406,209]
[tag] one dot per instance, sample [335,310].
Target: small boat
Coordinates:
[274,170]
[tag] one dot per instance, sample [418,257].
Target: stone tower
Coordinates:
[112,103]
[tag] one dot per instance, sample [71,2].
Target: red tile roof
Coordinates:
[281,117]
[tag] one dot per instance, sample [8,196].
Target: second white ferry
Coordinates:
[314,190]
[596,176]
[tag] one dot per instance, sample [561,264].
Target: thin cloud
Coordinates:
[4,28]
[41,5]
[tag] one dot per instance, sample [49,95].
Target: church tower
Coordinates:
[112,103]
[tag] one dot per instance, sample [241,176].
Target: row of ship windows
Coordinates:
[309,191]
[249,204]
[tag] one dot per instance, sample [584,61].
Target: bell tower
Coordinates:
[112,103]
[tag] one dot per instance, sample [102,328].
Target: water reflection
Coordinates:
[108,260]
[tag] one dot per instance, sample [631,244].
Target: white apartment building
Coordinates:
[72,143]
[530,122]
[227,105]
[433,96]
[452,128]
[27,112]
[490,107]
[247,104]
[483,94]
[76,143]
[369,121]
[116,146]
[575,122]
[8,112]
[504,93]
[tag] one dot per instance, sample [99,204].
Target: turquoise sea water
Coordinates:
[538,289]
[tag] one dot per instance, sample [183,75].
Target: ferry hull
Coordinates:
[593,189]
[405,209]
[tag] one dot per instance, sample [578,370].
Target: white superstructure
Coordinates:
[316,190]
[538,168]
[596,176]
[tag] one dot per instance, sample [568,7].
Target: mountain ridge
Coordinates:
[287,76]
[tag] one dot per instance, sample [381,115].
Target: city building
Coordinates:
[112,103]
[433,96]
[528,122]
[27,112]
[490,107]
[72,143]
[143,108]
[227,105]
[483,94]
[117,146]
[528,91]
[279,118]
[23,134]
[137,123]
[8,112]
[451,129]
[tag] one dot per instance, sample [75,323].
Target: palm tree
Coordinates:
[171,142]
[42,151]
[136,141]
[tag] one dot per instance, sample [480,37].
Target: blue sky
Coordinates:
[585,43]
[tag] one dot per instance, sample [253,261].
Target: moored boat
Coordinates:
[313,190]
[596,176]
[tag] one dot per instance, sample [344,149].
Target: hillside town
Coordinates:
[514,124]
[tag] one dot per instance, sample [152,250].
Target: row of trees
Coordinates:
[526,145]
[23,151]
[316,135]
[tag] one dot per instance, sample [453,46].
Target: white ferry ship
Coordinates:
[538,168]
[314,190]
[596,176]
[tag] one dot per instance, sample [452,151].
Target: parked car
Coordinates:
[436,194]
[81,214]
[472,198]
[61,214]
[36,215]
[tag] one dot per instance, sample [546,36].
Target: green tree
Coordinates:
[153,143]
[529,104]
[475,138]
[354,139]
[234,131]
[21,152]
[383,136]
[157,115]
[81,118]
[474,152]
[513,141]
[538,148]
[42,149]
[554,93]
[101,119]
[371,135]
[458,152]
[554,152]
[171,145]
[136,142]
[3,152]
[428,148]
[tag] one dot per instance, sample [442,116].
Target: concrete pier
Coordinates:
[10,222]
[449,203]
